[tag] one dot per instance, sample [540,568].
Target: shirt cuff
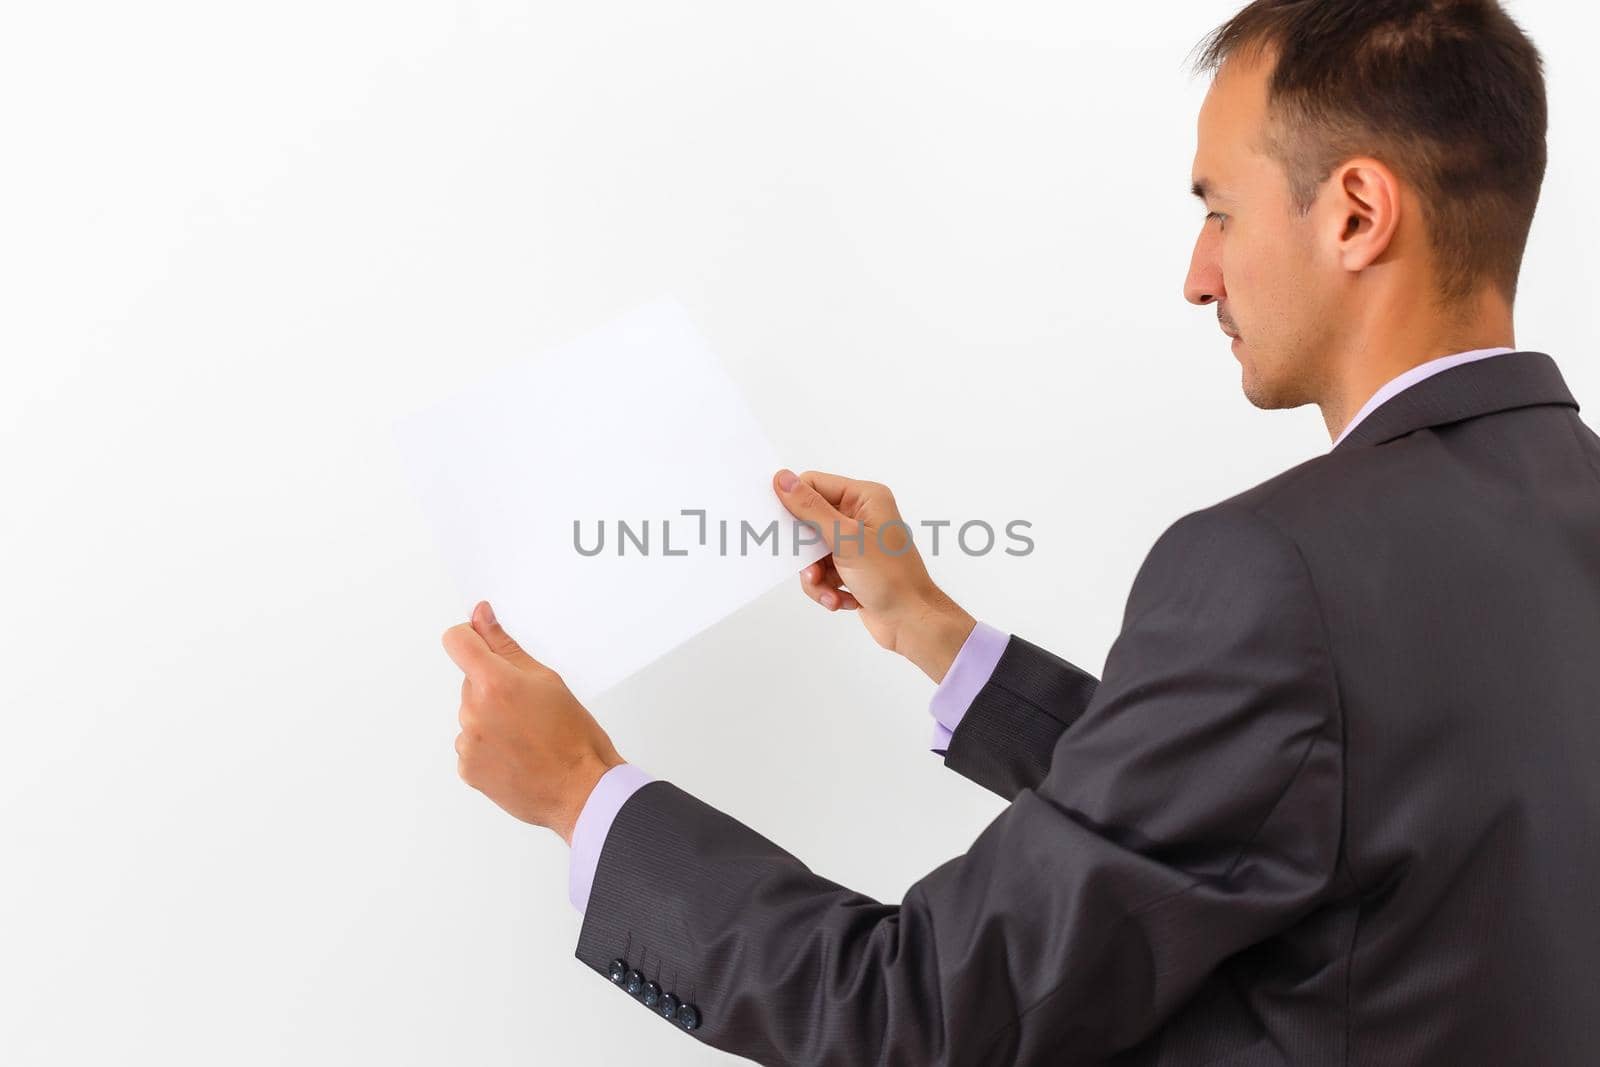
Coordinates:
[594,822]
[968,673]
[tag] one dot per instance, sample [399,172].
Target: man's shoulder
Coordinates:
[1305,500]
[1284,514]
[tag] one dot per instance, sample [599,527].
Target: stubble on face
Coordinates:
[1282,352]
[1271,270]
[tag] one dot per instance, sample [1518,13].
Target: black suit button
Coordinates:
[634,982]
[618,970]
[688,1017]
[651,994]
[668,1006]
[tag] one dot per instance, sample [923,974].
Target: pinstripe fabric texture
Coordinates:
[1335,800]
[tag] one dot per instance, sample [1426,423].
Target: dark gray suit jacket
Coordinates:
[1335,801]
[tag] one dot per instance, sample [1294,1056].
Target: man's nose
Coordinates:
[1204,283]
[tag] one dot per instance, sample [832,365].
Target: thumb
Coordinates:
[467,649]
[488,627]
[808,505]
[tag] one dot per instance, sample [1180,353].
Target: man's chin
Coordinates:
[1269,395]
[1260,393]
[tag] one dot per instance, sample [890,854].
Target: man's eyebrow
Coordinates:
[1203,188]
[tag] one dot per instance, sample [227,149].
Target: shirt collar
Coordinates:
[1406,379]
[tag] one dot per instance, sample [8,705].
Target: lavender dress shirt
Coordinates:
[973,665]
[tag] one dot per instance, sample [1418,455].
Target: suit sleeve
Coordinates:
[1192,810]
[1004,740]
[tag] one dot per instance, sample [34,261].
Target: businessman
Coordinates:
[1336,799]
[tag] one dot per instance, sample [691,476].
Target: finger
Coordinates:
[828,589]
[468,651]
[808,505]
[835,581]
[814,576]
[837,600]
[819,577]
[844,599]
[868,501]
[833,487]
[808,579]
[830,571]
[486,626]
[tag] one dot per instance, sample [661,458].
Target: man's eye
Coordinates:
[1215,215]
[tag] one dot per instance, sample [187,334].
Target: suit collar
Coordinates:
[1511,380]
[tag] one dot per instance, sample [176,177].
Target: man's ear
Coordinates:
[1366,205]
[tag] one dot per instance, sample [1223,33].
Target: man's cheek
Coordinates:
[1235,268]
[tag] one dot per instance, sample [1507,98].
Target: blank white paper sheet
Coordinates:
[629,432]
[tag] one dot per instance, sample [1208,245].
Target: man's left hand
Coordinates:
[526,742]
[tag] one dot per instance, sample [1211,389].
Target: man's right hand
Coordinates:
[874,568]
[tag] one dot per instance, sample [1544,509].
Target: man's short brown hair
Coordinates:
[1448,93]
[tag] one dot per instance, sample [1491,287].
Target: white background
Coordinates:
[940,245]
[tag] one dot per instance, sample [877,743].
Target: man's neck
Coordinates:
[1385,354]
